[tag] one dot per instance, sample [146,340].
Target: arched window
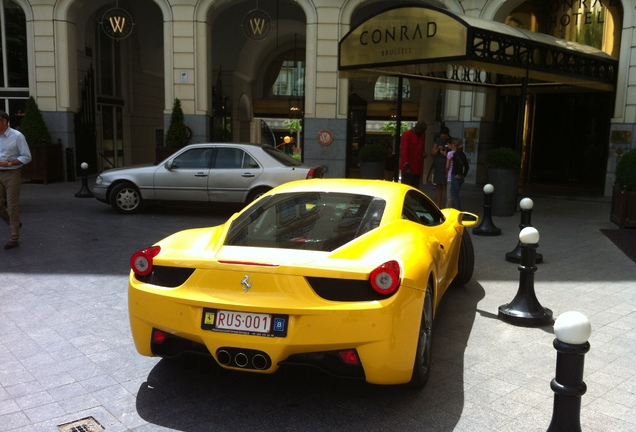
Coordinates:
[290,80]
[14,73]
[386,88]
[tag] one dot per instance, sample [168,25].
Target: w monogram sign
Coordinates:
[117,23]
[257,24]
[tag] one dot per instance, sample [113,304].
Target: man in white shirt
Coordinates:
[14,152]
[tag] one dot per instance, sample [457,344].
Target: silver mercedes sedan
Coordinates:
[202,173]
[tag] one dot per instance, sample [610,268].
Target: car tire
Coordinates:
[255,194]
[423,354]
[125,198]
[465,262]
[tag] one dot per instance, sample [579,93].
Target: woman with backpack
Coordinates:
[456,169]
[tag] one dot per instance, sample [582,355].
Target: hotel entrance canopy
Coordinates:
[435,44]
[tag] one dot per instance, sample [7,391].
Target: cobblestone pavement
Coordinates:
[66,353]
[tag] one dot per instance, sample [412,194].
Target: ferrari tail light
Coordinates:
[349,357]
[385,279]
[158,336]
[141,261]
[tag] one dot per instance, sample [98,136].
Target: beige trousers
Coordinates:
[10,181]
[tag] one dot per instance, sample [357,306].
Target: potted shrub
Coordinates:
[504,165]
[372,158]
[33,127]
[178,134]
[623,211]
[47,161]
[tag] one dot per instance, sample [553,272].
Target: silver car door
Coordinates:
[233,173]
[186,176]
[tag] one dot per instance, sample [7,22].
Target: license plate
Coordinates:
[257,324]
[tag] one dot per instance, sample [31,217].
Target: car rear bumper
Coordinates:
[384,335]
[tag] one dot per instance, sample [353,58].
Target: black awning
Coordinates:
[431,43]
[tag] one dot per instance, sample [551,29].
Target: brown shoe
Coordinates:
[11,245]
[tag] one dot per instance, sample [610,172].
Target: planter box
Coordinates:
[623,211]
[372,170]
[47,164]
[506,184]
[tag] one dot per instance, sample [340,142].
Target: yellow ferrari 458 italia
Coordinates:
[340,274]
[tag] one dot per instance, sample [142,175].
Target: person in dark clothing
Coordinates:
[457,167]
[440,147]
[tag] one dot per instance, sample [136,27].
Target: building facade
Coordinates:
[105,75]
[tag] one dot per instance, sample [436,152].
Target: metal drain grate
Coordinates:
[88,424]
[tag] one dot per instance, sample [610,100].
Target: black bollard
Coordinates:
[486,227]
[525,310]
[526,205]
[572,330]
[84,192]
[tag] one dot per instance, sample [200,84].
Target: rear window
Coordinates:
[319,221]
[281,156]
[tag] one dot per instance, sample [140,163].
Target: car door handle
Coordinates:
[201,174]
[247,175]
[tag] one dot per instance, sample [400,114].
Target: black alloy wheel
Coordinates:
[423,355]
[465,261]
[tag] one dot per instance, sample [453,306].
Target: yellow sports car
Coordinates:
[344,275]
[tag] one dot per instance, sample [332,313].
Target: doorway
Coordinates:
[569,142]
[565,139]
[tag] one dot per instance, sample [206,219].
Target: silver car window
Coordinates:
[281,156]
[229,157]
[198,158]
[249,162]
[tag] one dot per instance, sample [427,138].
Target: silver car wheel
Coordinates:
[126,199]
[256,193]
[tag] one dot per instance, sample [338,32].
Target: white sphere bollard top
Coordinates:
[488,189]
[84,165]
[572,328]
[526,204]
[529,235]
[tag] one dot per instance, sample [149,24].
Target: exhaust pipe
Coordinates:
[241,360]
[259,362]
[223,357]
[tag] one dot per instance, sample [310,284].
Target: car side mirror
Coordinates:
[467,219]
[168,165]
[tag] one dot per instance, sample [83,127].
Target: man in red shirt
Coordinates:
[412,154]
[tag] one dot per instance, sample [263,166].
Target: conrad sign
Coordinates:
[403,35]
